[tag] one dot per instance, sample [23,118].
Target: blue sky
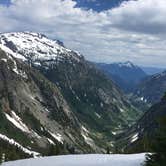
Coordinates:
[114,30]
[5,2]
[97,5]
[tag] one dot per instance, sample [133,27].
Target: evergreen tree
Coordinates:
[158,158]
[108,150]
[54,150]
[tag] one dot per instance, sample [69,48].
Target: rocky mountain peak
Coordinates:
[35,47]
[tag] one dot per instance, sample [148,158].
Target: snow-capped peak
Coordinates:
[126,64]
[34,47]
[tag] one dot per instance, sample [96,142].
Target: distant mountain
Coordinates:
[51,95]
[152,70]
[126,75]
[152,88]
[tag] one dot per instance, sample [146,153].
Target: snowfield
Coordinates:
[83,160]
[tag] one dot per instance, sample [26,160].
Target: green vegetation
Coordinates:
[29,119]
[9,130]
[158,158]
[11,152]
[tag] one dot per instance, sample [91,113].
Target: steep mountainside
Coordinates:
[152,88]
[81,108]
[140,137]
[34,108]
[126,75]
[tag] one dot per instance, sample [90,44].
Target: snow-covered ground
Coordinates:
[83,160]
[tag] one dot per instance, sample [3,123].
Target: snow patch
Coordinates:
[134,137]
[50,141]
[45,109]
[3,59]
[88,140]
[57,136]
[84,129]
[12,142]
[85,135]
[114,133]
[142,98]
[19,72]
[97,115]
[122,110]
[17,121]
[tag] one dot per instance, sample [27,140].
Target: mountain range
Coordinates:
[51,95]
[147,95]
[54,101]
[125,74]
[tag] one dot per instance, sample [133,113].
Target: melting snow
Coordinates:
[142,98]
[87,139]
[19,72]
[16,120]
[122,110]
[50,141]
[114,133]
[57,136]
[134,137]
[3,59]
[84,129]
[98,115]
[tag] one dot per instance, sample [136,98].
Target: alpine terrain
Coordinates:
[146,135]
[53,101]
[152,88]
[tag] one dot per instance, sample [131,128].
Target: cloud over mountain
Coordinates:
[135,30]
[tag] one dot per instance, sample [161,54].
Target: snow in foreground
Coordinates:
[83,160]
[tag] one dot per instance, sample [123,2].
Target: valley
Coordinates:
[82,83]
[60,103]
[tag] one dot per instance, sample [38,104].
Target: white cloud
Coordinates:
[134,31]
[147,16]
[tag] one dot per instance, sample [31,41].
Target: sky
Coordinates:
[102,30]
[98,5]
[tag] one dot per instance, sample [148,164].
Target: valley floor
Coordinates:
[83,160]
